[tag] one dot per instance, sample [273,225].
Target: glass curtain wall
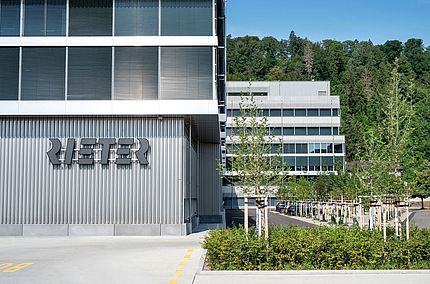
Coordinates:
[136,17]
[45,17]
[9,73]
[10,11]
[90,17]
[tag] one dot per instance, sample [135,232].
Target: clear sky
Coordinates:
[377,20]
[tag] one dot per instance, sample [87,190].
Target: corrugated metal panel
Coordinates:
[210,195]
[32,191]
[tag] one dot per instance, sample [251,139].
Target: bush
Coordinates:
[321,248]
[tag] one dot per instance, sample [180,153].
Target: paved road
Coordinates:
[235,217]
[104,260]
[421,218]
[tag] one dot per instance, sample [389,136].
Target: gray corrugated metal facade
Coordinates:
[90,194]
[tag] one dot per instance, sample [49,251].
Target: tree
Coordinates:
[309,58]
[421,187]
[254,169]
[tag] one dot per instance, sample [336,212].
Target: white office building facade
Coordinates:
[304,120]
[110,116]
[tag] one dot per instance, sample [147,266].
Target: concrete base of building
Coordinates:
[30,230]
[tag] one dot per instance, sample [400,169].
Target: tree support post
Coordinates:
[245,220]
[266,217]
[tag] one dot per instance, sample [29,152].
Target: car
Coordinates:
[291,210]
[280,207]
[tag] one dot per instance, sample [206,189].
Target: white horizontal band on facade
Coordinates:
[111,107]
[110,41]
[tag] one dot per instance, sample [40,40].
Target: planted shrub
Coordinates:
[330,248]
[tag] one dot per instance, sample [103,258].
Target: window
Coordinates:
[288,131]
[288,112]
[326,148]
[186,73]
[300,131]
[229,112]
[45,18]
[236,112]
[90,73]
[90,17]
[335,112]
[136,73]
[338,148]
[43,73]
[289,148]
[301,148]
[313,131]
[136,17]
[275,148]
[275,112]
[314,148]
[265,112]
[229,131]
[314,163]
[327,163]
[335,130]
[9,73]
[186,18]
[302,164]
[276,131]
[291,162]
[325,130]
[300,112]
[325,112]
[313,112]
[9,17]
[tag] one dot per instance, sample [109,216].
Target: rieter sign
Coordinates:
[86,151]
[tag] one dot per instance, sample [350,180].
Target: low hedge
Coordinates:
[324,248]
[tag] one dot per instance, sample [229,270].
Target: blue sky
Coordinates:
[377,20]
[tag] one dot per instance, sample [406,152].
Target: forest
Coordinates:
[364,75]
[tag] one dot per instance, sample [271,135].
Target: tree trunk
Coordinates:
[422,202]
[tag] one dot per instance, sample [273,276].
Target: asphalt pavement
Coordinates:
[420,218]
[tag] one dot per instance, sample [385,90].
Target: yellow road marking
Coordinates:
[187,256]
[17,267]
[173,282]
[189,250]
[182,263]
[5,265]
[178,272]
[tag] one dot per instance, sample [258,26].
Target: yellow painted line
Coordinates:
[182,263]
[5,265]
[189,250]
[17,267]
[173,282]
[178,272]
[187,256]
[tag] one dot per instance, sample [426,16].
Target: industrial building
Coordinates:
[110,116]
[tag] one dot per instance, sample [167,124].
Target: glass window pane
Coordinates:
[302,163]
[300,112]
[186,73]
[275,112]
[9,17]
[335,130]
[9,73]
[291,162]
[300,131]
[338,148]
[289,149]
[313,131]
[327,163]
[314,148]
[43,73]
[313,112]
[136,73]
[288,112]
[335,112]
[90,17]
[44,18]
[186,18]
[229,112]
[265,112]
[301,148]
[288,131]
[314,163]
[136,17]
[275,148]
[236,112]
[325,112]
[90,73]
[276,131]
[325,130]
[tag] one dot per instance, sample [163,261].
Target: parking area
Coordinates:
[168,260]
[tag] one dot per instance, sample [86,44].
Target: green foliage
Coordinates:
[421,186]
[297,248]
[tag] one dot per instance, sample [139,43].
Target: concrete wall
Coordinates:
[37,198]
